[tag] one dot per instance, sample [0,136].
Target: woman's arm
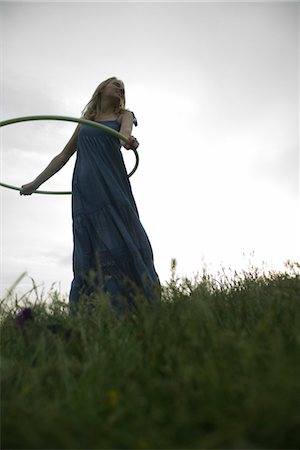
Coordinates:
[126,129]
[55,165]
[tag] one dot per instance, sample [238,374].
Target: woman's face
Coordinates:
[114,88]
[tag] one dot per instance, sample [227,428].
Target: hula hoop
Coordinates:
[102,127]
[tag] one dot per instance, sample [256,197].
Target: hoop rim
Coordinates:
[82,121]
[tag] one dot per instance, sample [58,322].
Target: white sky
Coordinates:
[215,89]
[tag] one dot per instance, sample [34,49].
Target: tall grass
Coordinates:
[215,364]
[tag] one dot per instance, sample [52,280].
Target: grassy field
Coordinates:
[213,365]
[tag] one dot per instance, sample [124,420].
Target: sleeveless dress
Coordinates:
[111,248]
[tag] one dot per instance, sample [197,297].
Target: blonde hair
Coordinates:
[90,109]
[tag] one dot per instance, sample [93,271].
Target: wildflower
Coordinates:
[141,444]
[113,397]
[23,317]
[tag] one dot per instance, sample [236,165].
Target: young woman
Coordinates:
[111,249]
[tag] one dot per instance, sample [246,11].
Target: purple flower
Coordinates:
[23,316]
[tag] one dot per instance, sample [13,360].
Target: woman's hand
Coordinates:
[132,143]
[28,189]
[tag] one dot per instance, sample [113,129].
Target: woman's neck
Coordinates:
[107,107]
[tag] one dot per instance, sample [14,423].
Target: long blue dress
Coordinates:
[111,248]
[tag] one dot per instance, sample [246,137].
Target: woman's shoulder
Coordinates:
[126,111]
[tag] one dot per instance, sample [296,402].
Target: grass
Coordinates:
[213,365]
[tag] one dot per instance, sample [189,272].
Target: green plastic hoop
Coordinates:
[102,127]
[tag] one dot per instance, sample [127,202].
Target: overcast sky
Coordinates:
[215,89]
